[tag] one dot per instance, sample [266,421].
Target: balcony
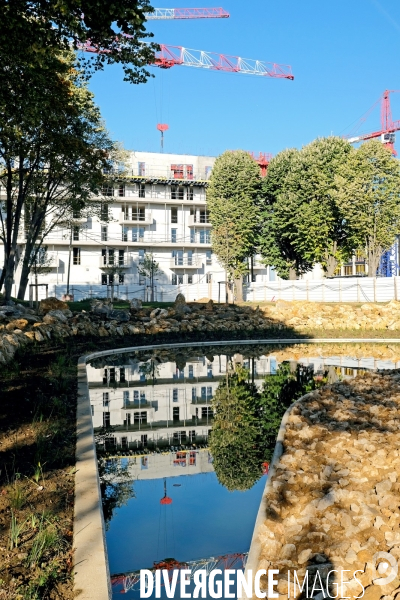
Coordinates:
[78,220]
[185,263]
[136,218]
[202,221]
[107,262]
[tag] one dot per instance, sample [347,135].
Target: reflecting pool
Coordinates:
[184,438]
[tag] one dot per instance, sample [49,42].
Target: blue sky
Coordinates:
[344,54]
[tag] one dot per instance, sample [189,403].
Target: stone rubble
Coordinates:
[20,325]
[333,499]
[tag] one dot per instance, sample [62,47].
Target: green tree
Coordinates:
[235,432]
[302,217]
[232,197]
[32,28]
[276,245]
[149,269]
[368,193]
[53,155]
[247,421]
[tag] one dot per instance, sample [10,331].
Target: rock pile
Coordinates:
[20,325]
[333,498]
[314,315]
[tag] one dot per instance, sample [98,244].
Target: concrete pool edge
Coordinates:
[91,570]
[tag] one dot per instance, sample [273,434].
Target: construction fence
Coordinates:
[351,289]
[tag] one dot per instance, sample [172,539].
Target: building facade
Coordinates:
[157,207]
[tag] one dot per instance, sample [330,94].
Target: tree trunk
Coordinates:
[374,257]
[9,278]
[24,280]
[331,265]
[292,273]
[239,289]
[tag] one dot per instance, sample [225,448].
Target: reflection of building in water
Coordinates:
[149,404]
[157,466]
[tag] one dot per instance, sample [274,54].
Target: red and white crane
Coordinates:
[388,127]
[169,56]
[187,13]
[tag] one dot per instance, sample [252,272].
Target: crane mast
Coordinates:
[387,132]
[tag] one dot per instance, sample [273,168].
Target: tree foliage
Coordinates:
[303,225]
[247,420]
[54,151]
[32,28]
[368,194]
[232,196]
[235,432]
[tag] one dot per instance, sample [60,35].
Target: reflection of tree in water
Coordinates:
[247,420]
[116,486]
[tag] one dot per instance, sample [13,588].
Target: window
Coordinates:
[121,189]
[175,413]
[208,277]
[124,234]
[142,190]
[106,419]
[190,258]
[192,438]
[190,371]
[106,399]
[111,256]
[141,256]
[177,171]
[175,395]
[348,269]
[190,279]
[194,394]
[137,234]
[360,269]
[92,409]
[174,280]
[142,280]
[121,278]
[138,214]
[207,172]
[192,236]
[177,192]
[75,233]
[206,412]
[104,233]
[104,212]
[103,279]
[189,193]
[180,279]
[174,214]
[204,236]
[208,257]
[76,256]
[121,258]
[107,190]
[140,417]
[203,216]
[122,374]
[254,278]
[173,235]
[141,169]
[126,397]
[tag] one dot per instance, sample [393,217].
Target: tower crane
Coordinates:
[388,128]
[186,13]
[169,56]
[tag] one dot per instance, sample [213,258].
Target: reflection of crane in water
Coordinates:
[126,582]
[165,514]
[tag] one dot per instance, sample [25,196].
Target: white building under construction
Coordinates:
[157,208]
